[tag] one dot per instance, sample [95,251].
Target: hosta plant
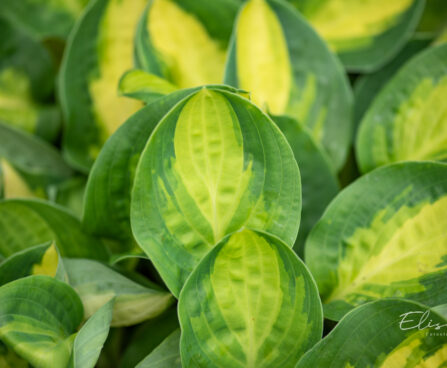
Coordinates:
[225,183]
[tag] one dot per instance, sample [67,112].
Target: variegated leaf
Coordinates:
[96,284]
[408,119]
[365,34]
[383,236]
[388,333]
[99,51]
[24,223]
[250,303]
[185,41]
[273,54]
[214,164]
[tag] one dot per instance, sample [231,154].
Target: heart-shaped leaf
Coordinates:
[100,50]
[408,119]
[273,56]
[42,259]
[96,284]
[167,354]
[365,34]
[185,41]
[249,303]
[28,165]
[214,164]
[383,236]
[385,333]
[38,319]
[24,223]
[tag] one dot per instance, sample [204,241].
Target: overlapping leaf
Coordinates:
[43,259]
[167,354]
[365,34]
[24,223]
[386,333]
[279,69]
[100,50]
[368,86]
[90,339]
[29,166]
[214,164]
[408,119]
[97,284]
[26,81]
[42,18]
[318,180]
[249,303]
[38,318]
[148,336]
[384,236]
[185,41]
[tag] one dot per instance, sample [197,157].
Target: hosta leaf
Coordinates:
[70,194]
[41,259]
[279,69]
[408,119]
[148,336]
[368,85]
[167,354]
[441,310]
[26,80]
[24,223]
[42,18]
[137,83]
[365,34]
[100,50]
[97,284]
[90,339]
[107,197]
[38,318]
[9,359]
[184,41]
[28,165]
[214,164]
[383,236]
[379,334]
[319,182]
[249,303]
[434,17]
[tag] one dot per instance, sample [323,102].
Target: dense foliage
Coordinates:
[223,183]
